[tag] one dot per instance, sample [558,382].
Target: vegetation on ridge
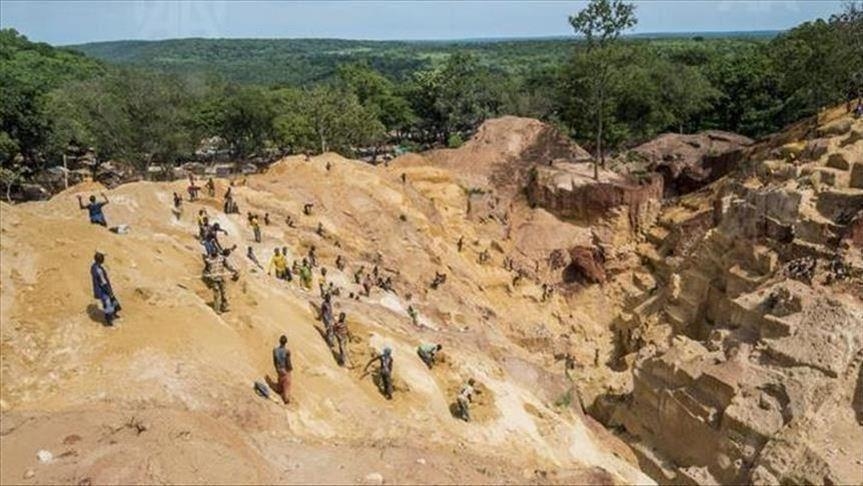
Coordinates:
[155,105]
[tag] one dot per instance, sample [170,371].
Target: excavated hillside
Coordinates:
[167,395]
[746,357]
[718,334]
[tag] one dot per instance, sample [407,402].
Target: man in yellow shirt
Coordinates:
[279,263]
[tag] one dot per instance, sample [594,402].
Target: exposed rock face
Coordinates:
[689,162]
[854,231]
[586,265]
[570,192]
[857,176]
[732,399]
[753,369]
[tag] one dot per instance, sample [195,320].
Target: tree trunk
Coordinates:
[599,157]
[147,169]
[323,141]
[65,173]
[9,192]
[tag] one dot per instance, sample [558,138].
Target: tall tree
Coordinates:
[601,24]
[454,97]
[339,120]
[324,118]
[377,94]
[684,92]
[819,63]
[247,120]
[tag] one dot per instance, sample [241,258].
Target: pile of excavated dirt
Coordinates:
[167,394]
[502,151]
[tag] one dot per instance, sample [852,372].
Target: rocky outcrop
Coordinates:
[735,394]
[754,378]
[570,192]
[689,162]
[586,265]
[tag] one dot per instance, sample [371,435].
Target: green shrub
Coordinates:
[454,141]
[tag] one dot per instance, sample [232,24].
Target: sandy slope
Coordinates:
[186,373]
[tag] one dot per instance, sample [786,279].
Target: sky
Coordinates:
[61,22]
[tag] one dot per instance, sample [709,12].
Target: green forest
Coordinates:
[151,103]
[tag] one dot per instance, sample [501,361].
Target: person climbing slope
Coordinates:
[178,206]
[327,319]
[211,238]
[282,363]
[192,189]
[102,289]
[215,266]
[256,227]
[306,274]
[211,187]
[312,257]
[428,353]
[250,254]
[385,371]
[278,264]
[94,209]
[367,285]
[414,315]
[341,331]
[203,223]
[288,275]
[465,398]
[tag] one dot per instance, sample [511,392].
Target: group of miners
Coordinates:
[217,269]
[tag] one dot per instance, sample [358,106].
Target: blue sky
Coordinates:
[70,22]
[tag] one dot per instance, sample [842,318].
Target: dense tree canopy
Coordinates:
[154,103]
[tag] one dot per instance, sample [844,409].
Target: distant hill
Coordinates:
[306,61]
[39,67]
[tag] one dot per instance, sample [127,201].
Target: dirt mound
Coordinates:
[503,150]
[511,136]
[82,188]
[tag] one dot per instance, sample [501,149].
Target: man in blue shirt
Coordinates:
[102,289]
[282,363]
[94,209]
